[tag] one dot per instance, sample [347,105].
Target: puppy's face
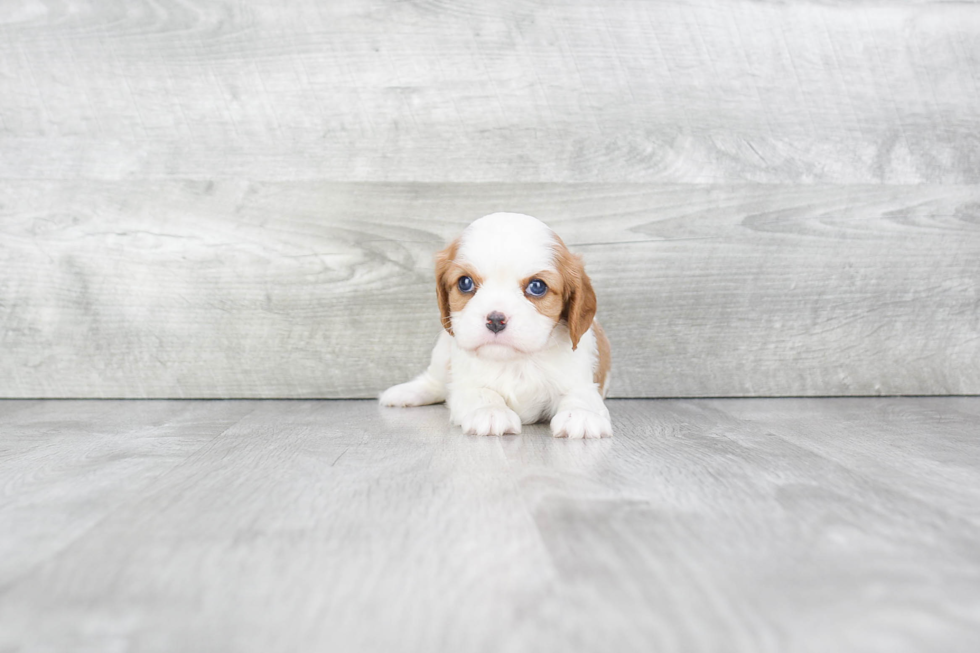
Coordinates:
[508,285]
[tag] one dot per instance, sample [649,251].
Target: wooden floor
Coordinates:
[704,525]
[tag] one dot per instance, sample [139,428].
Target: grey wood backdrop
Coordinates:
[241,199]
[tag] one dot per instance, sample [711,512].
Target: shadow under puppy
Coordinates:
[521,344]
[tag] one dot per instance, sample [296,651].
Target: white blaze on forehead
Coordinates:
[508,244]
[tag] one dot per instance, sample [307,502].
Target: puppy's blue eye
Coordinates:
[536,288]
[465,284]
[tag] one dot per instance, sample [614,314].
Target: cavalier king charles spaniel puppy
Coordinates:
[520,343]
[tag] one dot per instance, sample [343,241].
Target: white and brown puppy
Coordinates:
[520,343]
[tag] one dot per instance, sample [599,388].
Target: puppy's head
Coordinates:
[508,285]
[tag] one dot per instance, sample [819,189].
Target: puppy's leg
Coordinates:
[482,412]
[429,387]
[582,414]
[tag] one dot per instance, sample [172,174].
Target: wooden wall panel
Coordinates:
[220,198]
[307,289]
[717,91]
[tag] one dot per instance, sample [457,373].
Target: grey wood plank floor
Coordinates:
[704,525]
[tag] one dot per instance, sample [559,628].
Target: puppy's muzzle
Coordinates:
[496,322]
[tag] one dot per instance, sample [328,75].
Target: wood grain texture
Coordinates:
[740,525]
[232,289]
[719,91]
[65,470]
[228,199]
[918,447]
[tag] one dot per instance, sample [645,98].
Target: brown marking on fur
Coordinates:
[577,293]
[448,271]
[552,303]
[444,261]
[601,375]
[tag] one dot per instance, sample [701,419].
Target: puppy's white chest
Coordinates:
[530,386]
[529,392]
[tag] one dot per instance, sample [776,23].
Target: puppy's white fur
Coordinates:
[530,371]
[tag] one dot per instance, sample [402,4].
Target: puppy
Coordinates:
[520,343]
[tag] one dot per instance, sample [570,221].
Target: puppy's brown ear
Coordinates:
[444,261]
[580,302]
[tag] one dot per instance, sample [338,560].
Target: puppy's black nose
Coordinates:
[496,322]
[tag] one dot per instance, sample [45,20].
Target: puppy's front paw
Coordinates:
[491,421]
[413,393]
[579,423]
